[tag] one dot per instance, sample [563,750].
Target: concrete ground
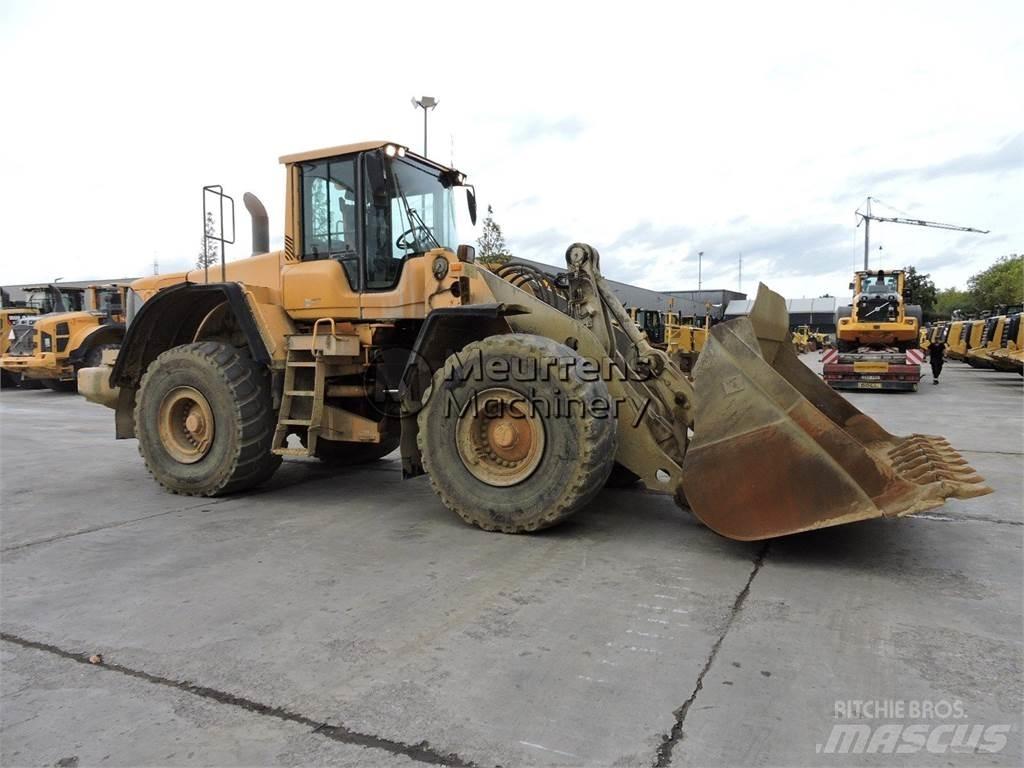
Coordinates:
[347,618]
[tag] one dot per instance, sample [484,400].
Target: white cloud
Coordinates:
[715,127]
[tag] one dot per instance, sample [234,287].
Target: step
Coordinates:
[300,364]
[300,392]
[291,452]
[296,422]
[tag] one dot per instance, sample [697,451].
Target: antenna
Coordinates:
[741,272]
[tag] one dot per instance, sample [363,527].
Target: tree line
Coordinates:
[998,285]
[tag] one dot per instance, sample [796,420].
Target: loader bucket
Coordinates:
[776,451]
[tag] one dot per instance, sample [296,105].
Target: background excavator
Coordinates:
[373,328]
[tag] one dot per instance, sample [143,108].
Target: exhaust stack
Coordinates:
[260,224]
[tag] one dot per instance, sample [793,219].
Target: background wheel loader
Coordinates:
[76,326]
[1010,356]
[373,327]
[877,336]
[10,317]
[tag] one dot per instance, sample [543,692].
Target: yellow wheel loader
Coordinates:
[684,342]
[1010,356]
[801,339]
[10,317]
[980,356]
[50,348]
[373,328]
[877,337]
[963,336]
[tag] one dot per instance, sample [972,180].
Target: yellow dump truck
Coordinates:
[50,348]
[374,328]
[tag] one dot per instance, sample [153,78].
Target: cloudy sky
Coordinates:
[653,132]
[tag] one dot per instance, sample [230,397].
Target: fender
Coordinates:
[108,333]
[169,319]
[444,332]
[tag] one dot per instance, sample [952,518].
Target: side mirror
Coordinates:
[906,294]
[851,286]
[466,253]
[471,202]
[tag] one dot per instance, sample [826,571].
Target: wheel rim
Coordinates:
[186,424]
[500,440]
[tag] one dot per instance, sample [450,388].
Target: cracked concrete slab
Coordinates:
[354,598]
[58,712]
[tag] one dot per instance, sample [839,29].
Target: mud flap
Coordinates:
[776,451]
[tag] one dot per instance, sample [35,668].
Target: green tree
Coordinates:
[209,253]
[922,290]
[950,299]
[492,242]
[1002,283]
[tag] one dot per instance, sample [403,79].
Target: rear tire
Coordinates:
[205,420]
[527,465]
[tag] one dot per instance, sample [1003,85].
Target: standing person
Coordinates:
[935,356]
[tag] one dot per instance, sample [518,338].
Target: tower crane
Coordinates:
[867,217]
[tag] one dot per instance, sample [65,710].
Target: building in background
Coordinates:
[818,314]
[715,301]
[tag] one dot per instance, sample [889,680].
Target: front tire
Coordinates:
[205,420]
[511,452]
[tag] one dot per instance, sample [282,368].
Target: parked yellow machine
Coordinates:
[50,348]
[967,339]
[9,317]
[1010,356]
[879,316]
[685,339]
[991,339]
[373,328]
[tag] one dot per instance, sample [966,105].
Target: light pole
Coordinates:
[700,256]
[426,103]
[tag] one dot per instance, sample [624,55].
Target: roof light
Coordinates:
[390,150]
[401,151]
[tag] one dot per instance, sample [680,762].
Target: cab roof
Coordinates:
[348,149]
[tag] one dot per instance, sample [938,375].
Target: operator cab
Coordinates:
[877,295]
[371,208]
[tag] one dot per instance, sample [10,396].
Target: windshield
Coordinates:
[875,284]
[409,210]
[405,205]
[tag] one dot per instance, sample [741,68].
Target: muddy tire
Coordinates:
[205,421]
[515,462]
[344,454]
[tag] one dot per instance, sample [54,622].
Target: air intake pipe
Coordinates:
[260,224]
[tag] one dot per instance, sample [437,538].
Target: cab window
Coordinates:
[329,214]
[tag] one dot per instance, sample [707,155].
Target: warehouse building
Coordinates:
[819,314]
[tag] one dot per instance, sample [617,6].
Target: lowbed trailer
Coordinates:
[887,369]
